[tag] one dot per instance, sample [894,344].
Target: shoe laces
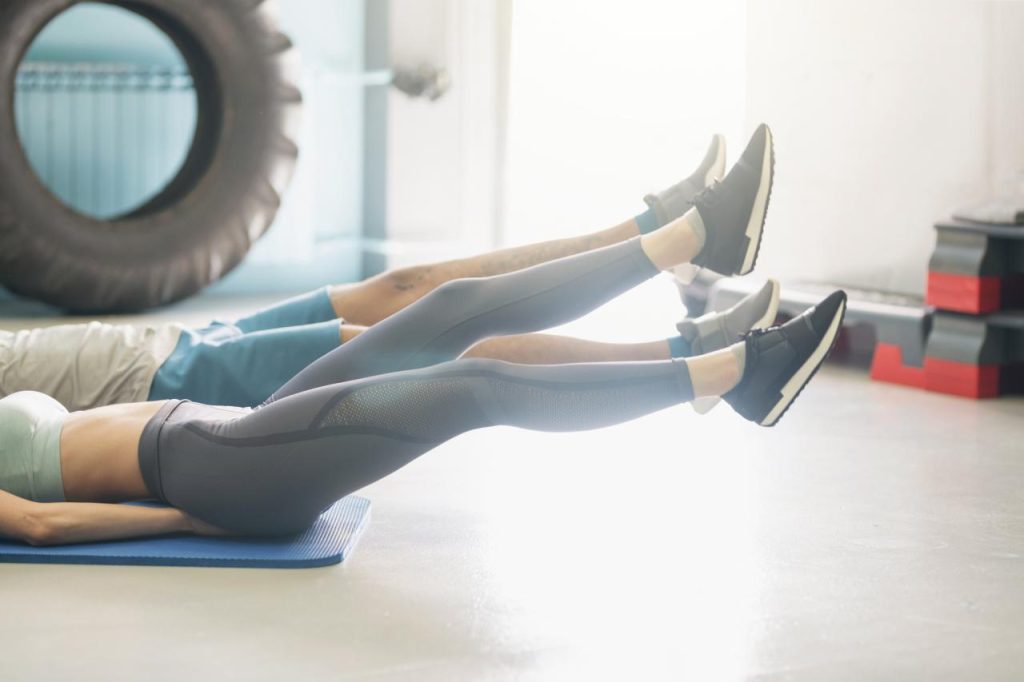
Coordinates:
[755,333]
[749,337]
[709,196]
[753,350]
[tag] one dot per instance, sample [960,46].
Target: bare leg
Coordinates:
[549,349]
[368,302]
[715,374]
[675,243]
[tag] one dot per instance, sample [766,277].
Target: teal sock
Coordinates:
[647,221]
[679,348]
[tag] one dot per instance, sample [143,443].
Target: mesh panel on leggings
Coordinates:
[437,409]
[422,409]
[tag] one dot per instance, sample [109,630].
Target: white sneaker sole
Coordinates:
[800,378]
[760,208]
[705,405]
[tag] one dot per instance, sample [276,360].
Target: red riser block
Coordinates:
[958,378]
[887,365]
[963,293]
[942,376]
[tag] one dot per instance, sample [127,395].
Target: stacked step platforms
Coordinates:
[976,356]
[976,267]
[975,282]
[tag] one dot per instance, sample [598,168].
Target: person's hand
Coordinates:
[200,527]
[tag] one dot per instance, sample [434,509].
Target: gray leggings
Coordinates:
[393,393]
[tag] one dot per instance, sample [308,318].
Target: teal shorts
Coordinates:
[243,362]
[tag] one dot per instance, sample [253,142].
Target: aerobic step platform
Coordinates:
[974,356]
[329,540]
[976,267]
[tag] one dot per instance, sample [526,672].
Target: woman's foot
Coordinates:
[717,330]
[732,211]
[778,362]
[673,202]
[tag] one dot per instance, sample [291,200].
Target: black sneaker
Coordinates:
[673,202]
[716,330]
[733,210]
[781,360]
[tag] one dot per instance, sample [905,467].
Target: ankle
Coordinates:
[715,374]
[739,353]
[675,243]
[646,222]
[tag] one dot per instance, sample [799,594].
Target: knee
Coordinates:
[480,349]
[460,293]
[483,365]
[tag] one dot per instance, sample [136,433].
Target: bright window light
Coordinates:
[611,100]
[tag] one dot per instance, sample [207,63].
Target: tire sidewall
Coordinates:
[224,201]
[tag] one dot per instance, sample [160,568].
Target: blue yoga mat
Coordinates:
[328,541]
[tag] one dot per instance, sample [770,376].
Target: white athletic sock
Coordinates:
[697,225]
[739,351]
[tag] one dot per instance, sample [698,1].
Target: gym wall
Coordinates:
[887,116]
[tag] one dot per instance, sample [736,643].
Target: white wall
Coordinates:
[610,100]
[887,116]
[1006,78]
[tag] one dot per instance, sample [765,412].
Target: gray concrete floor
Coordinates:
[876,534]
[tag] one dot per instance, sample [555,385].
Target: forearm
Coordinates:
[57,523]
